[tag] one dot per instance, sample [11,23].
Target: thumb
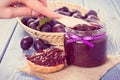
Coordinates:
[40,8]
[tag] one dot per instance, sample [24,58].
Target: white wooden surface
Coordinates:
[7,27]
[109,13]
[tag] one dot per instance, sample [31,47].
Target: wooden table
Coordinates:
[11,33]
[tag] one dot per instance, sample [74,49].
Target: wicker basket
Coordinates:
[51,37]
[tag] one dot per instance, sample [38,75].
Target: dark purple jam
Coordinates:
[48,57]
[80,54]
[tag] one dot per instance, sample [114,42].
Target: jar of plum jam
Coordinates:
[85,45]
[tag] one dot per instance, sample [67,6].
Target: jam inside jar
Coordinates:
[86,47]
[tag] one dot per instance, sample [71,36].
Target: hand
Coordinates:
[15,8]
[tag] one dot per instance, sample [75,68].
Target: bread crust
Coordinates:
[44,69]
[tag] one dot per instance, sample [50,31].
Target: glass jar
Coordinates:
[85,48]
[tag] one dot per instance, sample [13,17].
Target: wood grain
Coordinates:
[116,4]
[6,30]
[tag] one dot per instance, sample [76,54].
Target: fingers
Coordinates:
[44,2]
[40,8]
[15,12]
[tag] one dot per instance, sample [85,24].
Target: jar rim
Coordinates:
[86,33]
